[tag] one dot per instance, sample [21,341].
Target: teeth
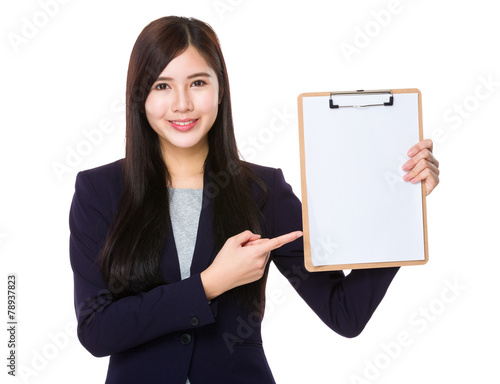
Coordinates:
[183,122]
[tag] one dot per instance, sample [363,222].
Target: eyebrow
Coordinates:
[198,74]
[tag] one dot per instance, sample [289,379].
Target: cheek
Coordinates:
[155,107]
[208,103]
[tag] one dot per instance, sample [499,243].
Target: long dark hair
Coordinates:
[131,256]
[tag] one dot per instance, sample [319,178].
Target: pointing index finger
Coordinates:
[278,241]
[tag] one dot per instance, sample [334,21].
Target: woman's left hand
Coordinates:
[422,166]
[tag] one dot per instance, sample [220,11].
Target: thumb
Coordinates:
[245,236]
[254,242]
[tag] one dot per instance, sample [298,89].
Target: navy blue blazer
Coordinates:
[172,332]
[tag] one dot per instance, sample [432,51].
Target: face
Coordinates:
[182,104]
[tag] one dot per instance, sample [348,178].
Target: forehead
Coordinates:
[187,63]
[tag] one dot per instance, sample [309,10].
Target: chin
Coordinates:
[185,144]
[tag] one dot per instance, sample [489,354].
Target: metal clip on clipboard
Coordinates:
[362,92]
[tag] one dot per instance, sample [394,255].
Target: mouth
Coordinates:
[183,125]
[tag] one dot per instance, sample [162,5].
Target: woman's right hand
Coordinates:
[241,260]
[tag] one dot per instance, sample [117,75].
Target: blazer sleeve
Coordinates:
[107,326]
[344,303]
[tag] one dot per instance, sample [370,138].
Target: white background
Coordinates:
[69,77]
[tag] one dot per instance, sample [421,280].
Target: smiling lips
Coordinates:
[183,125]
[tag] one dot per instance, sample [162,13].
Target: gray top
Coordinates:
[185,208]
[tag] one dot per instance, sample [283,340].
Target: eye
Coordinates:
[161,86]
[198,83]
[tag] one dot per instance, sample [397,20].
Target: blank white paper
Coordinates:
[360,208]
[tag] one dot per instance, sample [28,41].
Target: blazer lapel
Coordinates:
[203,254]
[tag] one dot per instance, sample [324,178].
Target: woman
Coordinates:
[170,247]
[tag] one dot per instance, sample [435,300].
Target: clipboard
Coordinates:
[357,210]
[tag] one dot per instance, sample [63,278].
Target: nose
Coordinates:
[181,101]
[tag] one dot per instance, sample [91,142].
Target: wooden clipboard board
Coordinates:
[357,210]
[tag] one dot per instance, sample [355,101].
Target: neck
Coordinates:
[185,162]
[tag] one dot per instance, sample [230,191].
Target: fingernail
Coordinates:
[299,234]
[411,152]
[406,166]
[407,177]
